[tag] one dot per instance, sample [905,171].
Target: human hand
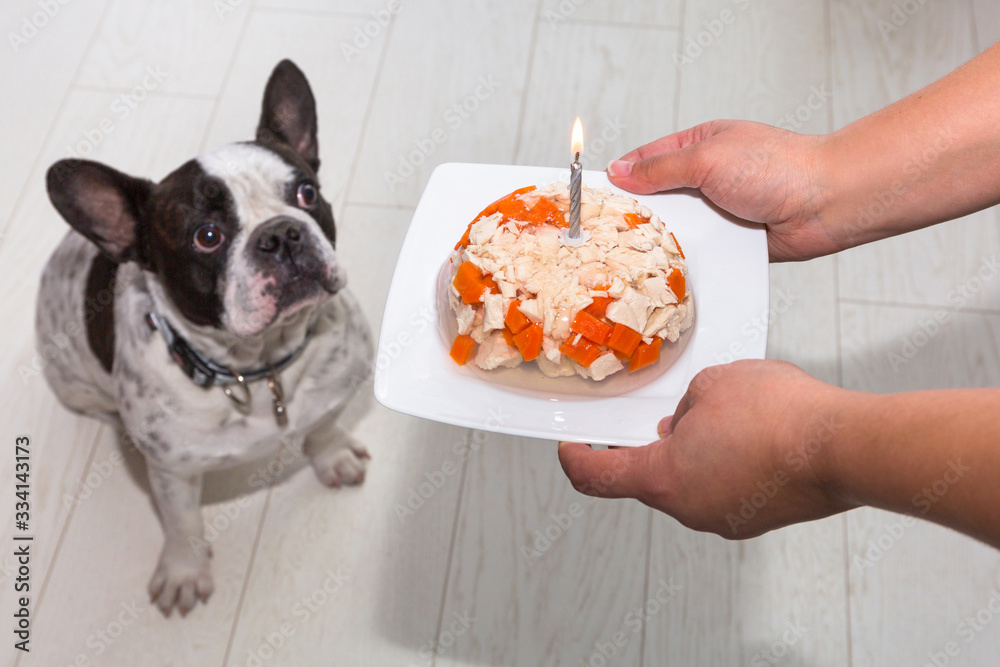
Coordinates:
[756,172]
[744,453]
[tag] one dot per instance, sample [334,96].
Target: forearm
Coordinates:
[930,157]
[932,454]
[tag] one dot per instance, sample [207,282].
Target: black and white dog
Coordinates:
[206,316]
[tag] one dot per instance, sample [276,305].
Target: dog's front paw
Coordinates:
[182,577]
[336,466]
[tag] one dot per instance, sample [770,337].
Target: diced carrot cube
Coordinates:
[677,284]
[529,341]
[644,355]
[508,336]
[469,283]
[590,328]
[515,320]
[462,349]
[624,340]
[491,284]
[599,306]
[580,350]
[545,211]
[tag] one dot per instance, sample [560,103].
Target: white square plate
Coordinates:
[728,276]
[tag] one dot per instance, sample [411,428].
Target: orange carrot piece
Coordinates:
[634,220]
[678,245]
[513,209]
[508,336]
[469,283]
[645,355]
[491,284]
[488,211]
[545,211]
[462,349]
[515,320]
[529,341]
[599,306]
[624,340]
[677,284]
[591,328]
[580,350]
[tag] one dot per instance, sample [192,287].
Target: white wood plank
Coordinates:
[908,598]
[41,69]
[187,43]
[776,599]
[594,72]
[987,19]
[342,88]
[876,62]
[153,139]
[548,575]
[415,123]
[955,264]
[664,13]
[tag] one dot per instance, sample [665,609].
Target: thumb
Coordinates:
[666,171]
[605,473]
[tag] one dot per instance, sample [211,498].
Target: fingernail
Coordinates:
[661,428]
[619,168]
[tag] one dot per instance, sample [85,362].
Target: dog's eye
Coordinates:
[307,196]
[207,238]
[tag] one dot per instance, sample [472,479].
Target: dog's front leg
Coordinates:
[182,575]
[335,456]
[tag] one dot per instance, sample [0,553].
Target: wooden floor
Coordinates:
[308,576]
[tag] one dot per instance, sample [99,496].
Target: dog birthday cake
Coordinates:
[522,290]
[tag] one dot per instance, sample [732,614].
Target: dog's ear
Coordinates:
[288,112]
[102,204]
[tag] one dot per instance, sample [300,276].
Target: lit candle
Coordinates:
[575,180]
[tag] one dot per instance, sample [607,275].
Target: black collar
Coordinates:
[207,373]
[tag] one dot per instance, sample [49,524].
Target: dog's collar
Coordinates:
[205,372]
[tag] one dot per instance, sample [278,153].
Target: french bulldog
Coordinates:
[206,317]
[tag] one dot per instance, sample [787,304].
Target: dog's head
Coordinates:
[240,238]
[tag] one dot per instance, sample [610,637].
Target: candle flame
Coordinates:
[577,145]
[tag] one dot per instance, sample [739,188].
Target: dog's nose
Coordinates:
[278,233]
